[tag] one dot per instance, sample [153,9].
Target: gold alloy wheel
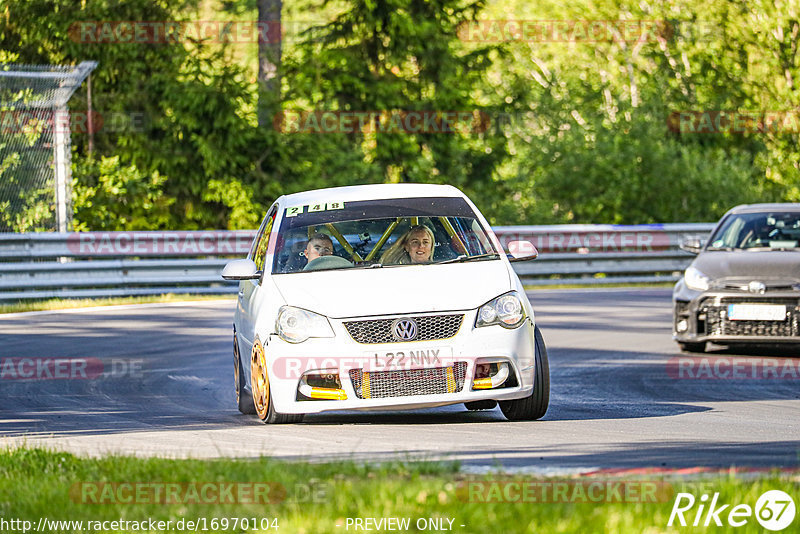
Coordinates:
[258,376]
[237,382]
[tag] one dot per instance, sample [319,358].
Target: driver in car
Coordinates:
[415,246]
[318,245]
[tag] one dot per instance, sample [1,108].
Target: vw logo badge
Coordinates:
[757,287]
[404,329]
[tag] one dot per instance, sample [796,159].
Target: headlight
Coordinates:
[506,310]
[295,325]
[696,280]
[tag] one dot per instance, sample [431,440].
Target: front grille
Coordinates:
[429,327]
[718,324]
[739,285]
[407,383]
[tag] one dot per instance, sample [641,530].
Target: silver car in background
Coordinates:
[744,285]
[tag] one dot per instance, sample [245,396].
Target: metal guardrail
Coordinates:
[108,264]
[602,254]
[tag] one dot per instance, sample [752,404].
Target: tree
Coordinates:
[387,60]
[602,146]
[171,105]
[269,59]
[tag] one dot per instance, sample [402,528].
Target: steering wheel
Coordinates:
[327,262]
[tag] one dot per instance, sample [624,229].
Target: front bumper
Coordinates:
[704,316]
[469,347]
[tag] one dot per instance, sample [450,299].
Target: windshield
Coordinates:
[379,233]
[767,231]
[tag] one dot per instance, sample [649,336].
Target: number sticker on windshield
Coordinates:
[294,211]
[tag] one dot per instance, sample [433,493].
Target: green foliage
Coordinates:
[195,126]
[397,56]
[318,497]
[599,148]
[29,213]
[579,130]
[110,196]
[635,175]
[238,198]
[27,198]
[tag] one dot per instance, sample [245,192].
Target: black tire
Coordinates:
[275,418]
[692,347]
[244,399]
[262,393]
[481,405]
[535,405]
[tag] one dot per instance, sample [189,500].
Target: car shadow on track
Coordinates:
[589,384]
[589,457]
[675,454]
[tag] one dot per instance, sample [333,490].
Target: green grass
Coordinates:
[35,483]
[63,304]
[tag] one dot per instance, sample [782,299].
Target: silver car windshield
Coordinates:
[380,233]
[758,231]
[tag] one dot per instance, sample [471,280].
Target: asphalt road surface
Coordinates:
[166,388]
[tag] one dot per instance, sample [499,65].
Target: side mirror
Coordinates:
[241,270]
[692,243]
[521,251]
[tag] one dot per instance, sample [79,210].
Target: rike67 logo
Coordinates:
[774,510]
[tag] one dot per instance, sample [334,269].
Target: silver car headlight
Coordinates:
[295,325]
[506,310]
[696,280]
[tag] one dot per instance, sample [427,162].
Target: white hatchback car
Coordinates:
[382,297]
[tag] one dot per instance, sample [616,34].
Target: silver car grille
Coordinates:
[430,327]
[407,383]
[744,285]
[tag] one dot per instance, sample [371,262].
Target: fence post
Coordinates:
[61,160]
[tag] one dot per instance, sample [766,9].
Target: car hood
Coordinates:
[396,290]
[756,265]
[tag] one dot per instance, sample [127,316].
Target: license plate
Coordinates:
[756,312]
[410,359]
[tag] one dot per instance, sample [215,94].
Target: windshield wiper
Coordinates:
[464,257]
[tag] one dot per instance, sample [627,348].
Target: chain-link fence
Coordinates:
[35,172]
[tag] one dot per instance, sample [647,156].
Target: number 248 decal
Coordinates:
[293,211]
